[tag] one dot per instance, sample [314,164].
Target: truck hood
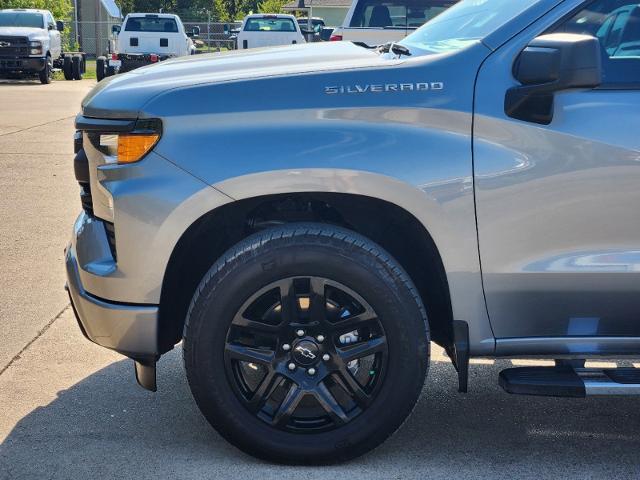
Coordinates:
[123,96]
[32,33]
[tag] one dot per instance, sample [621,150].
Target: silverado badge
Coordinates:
[384,87]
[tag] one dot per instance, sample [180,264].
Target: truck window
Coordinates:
[396,13]
[21,19]
[151,24]
[616,23]
[269,25]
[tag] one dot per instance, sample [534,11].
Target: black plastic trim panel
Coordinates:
[104,125]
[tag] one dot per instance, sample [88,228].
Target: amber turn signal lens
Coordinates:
[133,147]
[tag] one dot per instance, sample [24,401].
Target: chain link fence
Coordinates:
[214,36]
[93,38]
[96,38]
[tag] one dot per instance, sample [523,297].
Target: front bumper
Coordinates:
[21,65]
[128,329]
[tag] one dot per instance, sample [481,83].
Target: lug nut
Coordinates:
[292,366]
[286,347]
[320,338]
[300,333]
[311,371]
[326,357]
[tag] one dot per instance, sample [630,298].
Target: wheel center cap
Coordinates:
[305,352]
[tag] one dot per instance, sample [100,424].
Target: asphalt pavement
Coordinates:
[72,410]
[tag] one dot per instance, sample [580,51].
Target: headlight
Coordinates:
[35,48]
[130,147]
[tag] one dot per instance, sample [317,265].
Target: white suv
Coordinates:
[374,22]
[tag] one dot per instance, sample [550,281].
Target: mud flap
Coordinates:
[461,353]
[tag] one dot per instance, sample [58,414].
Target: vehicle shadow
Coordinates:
[20,81]
[105,426]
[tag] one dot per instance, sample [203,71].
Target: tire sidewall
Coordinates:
[377,281]
[67,68]
[45,74]
[76,67]
[100,68]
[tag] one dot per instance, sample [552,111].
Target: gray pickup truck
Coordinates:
[307,219]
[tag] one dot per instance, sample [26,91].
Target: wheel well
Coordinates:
[392,227]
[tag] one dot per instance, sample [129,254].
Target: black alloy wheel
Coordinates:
[306,354]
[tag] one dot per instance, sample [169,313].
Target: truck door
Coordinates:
[54,37]
[558,205]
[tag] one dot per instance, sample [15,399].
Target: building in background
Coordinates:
[94,19]
[332,11]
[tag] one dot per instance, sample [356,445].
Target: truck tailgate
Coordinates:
[153,42]
[267,39]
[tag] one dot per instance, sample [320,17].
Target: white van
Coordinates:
[266,30]
[374,22]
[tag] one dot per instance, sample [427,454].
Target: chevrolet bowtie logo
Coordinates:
[5,44]
[305,352]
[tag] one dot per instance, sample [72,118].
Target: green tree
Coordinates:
[188,9]
[61,9]
[228,10]
[272,6]
[125,6]
[221,12]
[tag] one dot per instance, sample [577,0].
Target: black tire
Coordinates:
[76,67]
[111,71]
[46,73]
[101,68]
[342,257]
[67,68]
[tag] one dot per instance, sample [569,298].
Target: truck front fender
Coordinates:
[445,209]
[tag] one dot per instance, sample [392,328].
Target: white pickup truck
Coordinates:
[268,30]
[375,22]
[146,38]
[30,45]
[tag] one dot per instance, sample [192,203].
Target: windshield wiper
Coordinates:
[394,48]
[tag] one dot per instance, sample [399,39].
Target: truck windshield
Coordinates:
[270,25]
[21,19]
[466,22]
[151,24]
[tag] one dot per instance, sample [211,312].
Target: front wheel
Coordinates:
[306,343]
[46,73]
